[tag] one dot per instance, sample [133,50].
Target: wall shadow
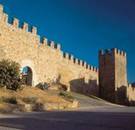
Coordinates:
[131,103]
[121,95]
[87,88]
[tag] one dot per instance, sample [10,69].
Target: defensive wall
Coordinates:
[113,83]
[48,62]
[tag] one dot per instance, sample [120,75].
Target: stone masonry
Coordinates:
[48,63]
[113,82]
[113,74]
[46,59]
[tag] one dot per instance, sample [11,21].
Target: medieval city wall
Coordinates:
[83,78]
[131,94]
[46,59]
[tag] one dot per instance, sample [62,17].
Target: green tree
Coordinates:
[10,74]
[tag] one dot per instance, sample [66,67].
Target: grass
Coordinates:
[30,100]
[66,95]
[11,100]
[31,95]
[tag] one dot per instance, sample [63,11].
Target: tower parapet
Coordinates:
[118,52]
[112,51]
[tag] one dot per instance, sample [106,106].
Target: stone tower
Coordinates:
[113,75]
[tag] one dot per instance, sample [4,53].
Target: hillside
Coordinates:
[34,99]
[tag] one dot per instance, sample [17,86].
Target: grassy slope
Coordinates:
[29,95]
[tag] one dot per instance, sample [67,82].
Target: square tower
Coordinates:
[113,75]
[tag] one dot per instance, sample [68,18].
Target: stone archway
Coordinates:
[29,63]
[27,75]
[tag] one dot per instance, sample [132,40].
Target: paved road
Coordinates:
[120,119]
[87,103]
[101,116]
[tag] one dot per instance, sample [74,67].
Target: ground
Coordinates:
[93,114]
[34,99]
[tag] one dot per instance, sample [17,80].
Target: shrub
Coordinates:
[66,95]
[11,100]
[10,74]
[38,107]
[30,100]
[43,86]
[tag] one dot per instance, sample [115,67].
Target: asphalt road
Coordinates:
[95,116]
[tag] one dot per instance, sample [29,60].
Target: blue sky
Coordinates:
[82,27]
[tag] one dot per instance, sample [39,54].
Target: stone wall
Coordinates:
[46,60]
[121,82]
[107,75]
[131,94]
[83,79]
[113,75]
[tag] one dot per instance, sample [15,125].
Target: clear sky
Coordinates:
[82,27]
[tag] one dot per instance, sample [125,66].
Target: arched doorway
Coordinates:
[27,75]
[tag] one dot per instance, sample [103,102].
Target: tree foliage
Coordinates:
[10,74]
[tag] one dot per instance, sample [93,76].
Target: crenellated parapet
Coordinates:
[81,63]
[112,51]
[32,33]
[25,27]
[131,87]
[3,17]
[1,8]
[34,30]
[54,45]
[16,23]
[45,42]
[119,52]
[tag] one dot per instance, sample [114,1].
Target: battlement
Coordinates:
[113,51]
[3,17]
[43,56]
[131,87]
[16,23]
[26,28]
[1,8]
[76,61]
[33,31]
[53,45]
